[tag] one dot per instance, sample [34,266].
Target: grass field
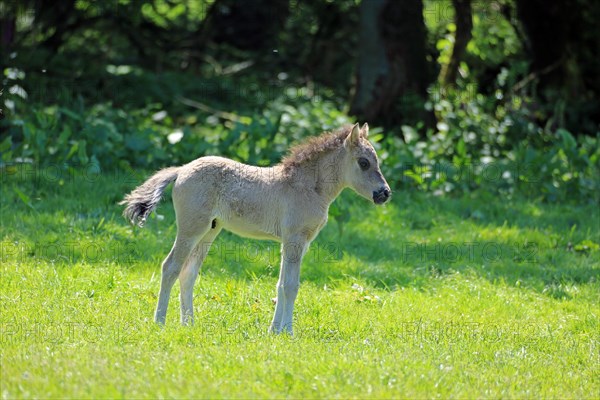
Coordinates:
[468,297]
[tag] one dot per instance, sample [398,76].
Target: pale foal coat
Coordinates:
[287,202]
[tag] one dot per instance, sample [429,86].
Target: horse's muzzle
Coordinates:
[382,195]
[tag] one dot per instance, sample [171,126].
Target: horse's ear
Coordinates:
[365,130]
[354,137]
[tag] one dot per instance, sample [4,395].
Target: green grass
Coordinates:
[465,297]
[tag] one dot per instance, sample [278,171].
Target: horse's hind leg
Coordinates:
[189,273]
[172,265]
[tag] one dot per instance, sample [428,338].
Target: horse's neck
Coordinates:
[324,175]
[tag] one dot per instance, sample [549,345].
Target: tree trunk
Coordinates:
[562,39]
[464,24]
[8,26]
[546,26]
[392,75]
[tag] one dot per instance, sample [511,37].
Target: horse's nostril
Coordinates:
[381,196]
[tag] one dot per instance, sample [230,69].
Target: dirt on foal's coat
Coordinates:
[287,202]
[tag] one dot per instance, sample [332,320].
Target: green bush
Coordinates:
[480,141]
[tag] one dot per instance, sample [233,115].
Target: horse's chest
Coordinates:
[318,226]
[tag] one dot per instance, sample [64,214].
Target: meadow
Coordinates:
[464,296]
[479,279]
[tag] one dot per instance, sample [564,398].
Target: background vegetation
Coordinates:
[480,279]
[452,85]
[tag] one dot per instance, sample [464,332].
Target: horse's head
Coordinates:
[361,167]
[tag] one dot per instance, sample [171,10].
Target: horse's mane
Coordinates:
[313,147]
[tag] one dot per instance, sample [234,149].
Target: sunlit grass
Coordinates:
[426,297]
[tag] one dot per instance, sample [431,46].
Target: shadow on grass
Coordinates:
[416,239]
[433,237]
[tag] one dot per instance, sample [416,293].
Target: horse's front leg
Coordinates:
[292,251]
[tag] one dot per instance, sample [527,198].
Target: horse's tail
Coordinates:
[143,199]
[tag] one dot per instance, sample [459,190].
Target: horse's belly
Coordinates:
[250,230]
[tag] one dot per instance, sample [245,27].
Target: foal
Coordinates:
[287,202]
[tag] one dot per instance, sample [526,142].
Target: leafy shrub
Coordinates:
[480,142]
[483,143]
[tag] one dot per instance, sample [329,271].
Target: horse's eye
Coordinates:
[363,163]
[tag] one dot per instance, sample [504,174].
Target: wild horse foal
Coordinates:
[287,202]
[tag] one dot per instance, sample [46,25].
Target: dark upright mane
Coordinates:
[314,146]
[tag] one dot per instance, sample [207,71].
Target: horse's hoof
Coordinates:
[274,330]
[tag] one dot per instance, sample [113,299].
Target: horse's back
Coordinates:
[246,199]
